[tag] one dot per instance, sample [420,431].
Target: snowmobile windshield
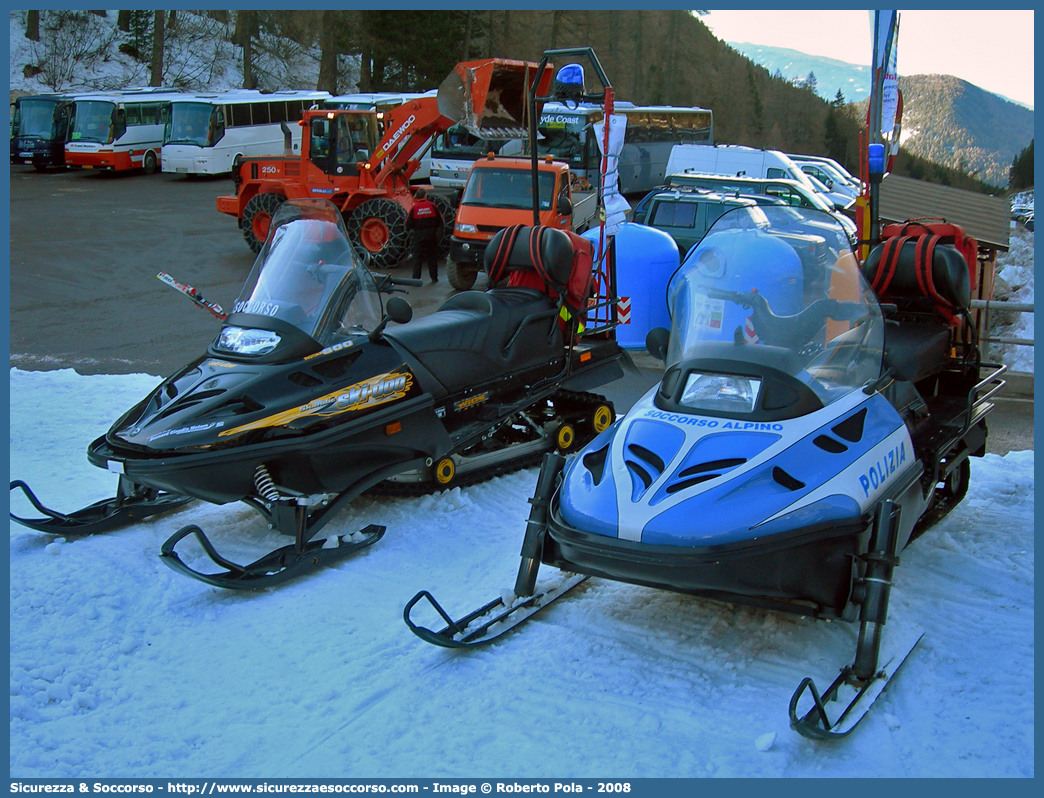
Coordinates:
[780,286]
[307,275]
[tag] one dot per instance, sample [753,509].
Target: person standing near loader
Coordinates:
[423,222]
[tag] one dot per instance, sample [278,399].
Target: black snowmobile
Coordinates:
[305,400]
[802,435]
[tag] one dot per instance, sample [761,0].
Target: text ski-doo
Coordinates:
[305,400]
[801,436]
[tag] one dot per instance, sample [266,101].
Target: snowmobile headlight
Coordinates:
[721,392]
[246,341]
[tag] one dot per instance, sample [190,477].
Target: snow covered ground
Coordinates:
[120,667]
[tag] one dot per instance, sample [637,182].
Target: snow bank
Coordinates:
[1015,268]
[120,667]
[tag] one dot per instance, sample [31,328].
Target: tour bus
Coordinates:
[570,133]
[39,129]
[206,132]
[118,130]
[382,102]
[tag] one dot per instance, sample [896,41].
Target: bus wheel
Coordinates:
[447,212]
[378,226]
[148,163]
[460,277]
[257,217]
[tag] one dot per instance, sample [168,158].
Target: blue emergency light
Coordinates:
[569,82]
[875,154]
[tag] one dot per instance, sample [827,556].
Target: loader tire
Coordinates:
[378,227]
[257,218]
[448,214]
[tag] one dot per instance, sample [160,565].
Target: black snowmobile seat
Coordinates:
[476,336]
[913,351]
[523,253]
[920,274]
[929,283]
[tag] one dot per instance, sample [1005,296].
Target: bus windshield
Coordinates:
[36,118]
[93,121]
[457,143]
[562,135]
[189,123]
[507,188]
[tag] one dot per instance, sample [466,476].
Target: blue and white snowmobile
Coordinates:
[802,435]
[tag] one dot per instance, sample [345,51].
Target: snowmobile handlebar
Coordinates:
[792,331]
[386,283]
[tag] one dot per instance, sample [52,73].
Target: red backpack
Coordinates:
[932,247]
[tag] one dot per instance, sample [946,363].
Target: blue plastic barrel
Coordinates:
[645,260]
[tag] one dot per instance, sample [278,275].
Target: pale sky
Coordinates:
[991,49]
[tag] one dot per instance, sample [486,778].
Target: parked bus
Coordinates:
[382,102]
[569,133]
[39,130]
[206,132]
[118,130]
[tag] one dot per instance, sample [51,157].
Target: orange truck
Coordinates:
[345,159]
[498,194]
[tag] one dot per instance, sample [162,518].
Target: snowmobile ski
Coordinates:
[276,567]
[491,620]
[503,614]
[853,696]
[194,294]
[132,503]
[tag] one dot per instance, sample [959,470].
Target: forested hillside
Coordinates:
[652,57]
[951,122]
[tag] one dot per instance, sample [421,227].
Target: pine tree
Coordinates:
[1021,174]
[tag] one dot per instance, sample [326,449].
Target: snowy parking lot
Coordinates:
[120,667]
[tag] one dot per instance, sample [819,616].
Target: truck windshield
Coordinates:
[495,187]
[36,118]
[189,123]
[459,144]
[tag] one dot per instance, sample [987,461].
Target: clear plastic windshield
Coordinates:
[784,278]
[307,275]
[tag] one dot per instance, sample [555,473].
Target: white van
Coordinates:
[736,161]
[829,165]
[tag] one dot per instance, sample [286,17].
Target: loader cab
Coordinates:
[340,141]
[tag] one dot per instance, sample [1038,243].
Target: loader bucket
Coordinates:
[491,97]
